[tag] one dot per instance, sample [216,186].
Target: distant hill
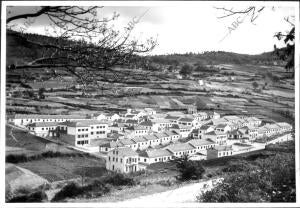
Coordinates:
[216,57]
[19,52]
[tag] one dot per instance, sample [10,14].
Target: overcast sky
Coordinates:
[195,28]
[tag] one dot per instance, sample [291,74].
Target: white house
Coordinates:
[160,125]
[219,151]
[123,160]
[224,128]
[181,149]
[149,111]
[43,129]
[201,145]
[140,143]
[183,130]
[218,137]
[204,130]
[153,140]
[85,130]
[25,119]
[155,155]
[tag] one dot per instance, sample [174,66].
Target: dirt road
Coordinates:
[185,194]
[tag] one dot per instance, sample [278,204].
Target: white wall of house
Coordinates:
[121,164]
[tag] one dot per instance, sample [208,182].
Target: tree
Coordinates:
[186,70]
[82,44]
[189,170]
[286,53]
[41,93]
[267,180]
[255,85]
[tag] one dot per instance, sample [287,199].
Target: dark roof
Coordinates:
[200,142]
[131,121]
[129,116]
[211,133]
[146,123]
[43,124]
[84,123]
[185,119]
[221,125]
[126,152]
[150,137]
[171,117]
[179,147]
[156,153]
[204,127]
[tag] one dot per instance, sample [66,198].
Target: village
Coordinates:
[130,141]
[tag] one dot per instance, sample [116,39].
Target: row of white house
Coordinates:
[125,160]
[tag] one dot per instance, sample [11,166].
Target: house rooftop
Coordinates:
[139,139]
[36,116]
[84,123]
[156,153]
[204,127]
[221,126]
[130,121]
[139,127]
[146,123]
[43,124]
[185,119]
[200,142]
[127,141]
[170,133]
[125,152]
[150,137]
[179,147]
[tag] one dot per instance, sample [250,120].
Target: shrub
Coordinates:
[118,179]
[37,196]
[236,166]
[68,191]
[95,189]
[189,170]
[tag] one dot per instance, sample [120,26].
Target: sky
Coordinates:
[194,27]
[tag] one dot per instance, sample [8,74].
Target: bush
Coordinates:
[189,170]
[68,191]
[236,166]
[37,196]
[95,189]
[118,179]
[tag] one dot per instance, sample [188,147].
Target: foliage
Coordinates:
[68,191]
[77,42]
[188,169]
[36,196]
[186,70]
[95,189]
[118,179]
[41,93]
[236,166]
[266,180]
[255,85]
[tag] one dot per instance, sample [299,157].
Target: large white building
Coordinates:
[25,119]
[123,160]
[83,131]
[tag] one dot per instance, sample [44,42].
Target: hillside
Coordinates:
[216,57]
[149,82]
